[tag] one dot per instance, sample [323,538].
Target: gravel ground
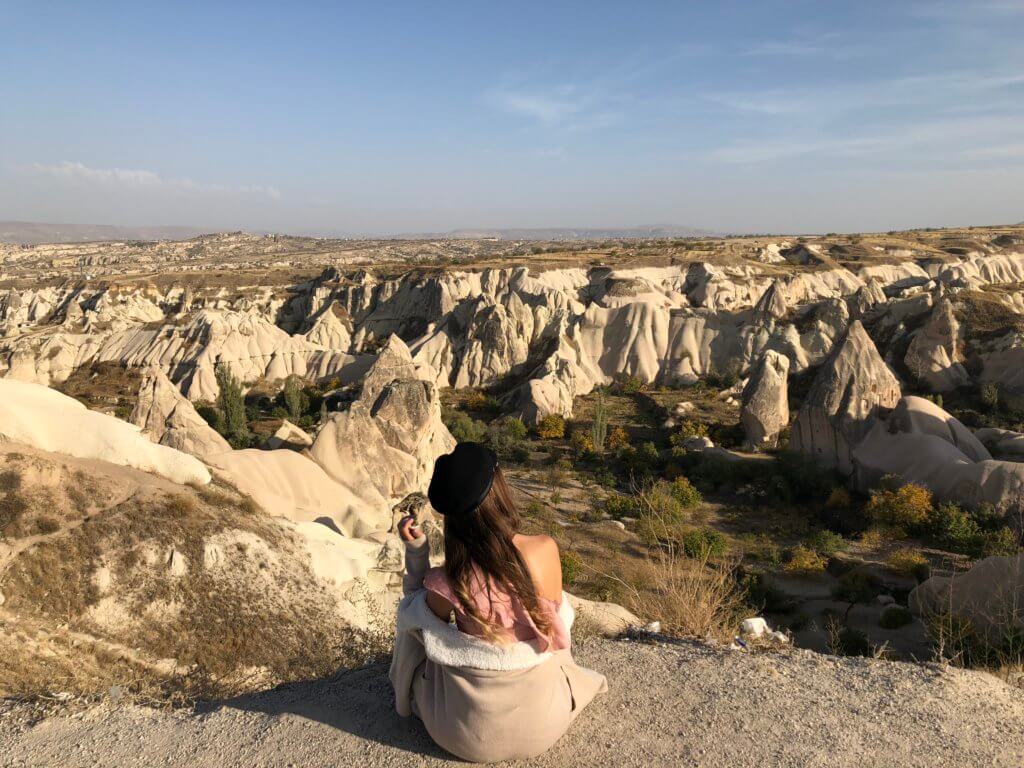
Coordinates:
[668,705]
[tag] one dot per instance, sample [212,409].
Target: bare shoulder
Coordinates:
[540,546]
[542,558]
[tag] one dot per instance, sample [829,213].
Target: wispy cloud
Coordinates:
[130,177]
[552,107]
[596,101]
[948,87]
[785,48]
[977,137]
[978,10]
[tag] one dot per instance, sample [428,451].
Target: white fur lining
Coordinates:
[445,644]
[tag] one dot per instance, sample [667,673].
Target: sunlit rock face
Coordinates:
[934,352]
[845,398]
[765,409]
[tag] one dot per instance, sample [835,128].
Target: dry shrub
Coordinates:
[46,524]
[906,507]
[617,438]
[551,427]
[909,562]
[839,498]
[875,537]
[572,566]
[804,560]
[12,507]
[10,480]
[582,442]
[689,596]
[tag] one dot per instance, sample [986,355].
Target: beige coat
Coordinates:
[480,701]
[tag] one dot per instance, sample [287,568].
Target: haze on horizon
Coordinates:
[318,118]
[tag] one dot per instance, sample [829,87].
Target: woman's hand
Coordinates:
[408,530]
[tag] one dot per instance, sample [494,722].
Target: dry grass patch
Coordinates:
[196,577]
[691,596]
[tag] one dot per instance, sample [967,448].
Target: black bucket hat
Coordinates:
[462,479]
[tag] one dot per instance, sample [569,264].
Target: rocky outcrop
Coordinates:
[45,419]
[553,334]
[289,436]
[391,434]
[1002,442]
[252,346]
[989,596]
[933,356]
[771,305]
[166,417]
[330,329]
[921,443]
[765,404]
[853,385]
[287,484]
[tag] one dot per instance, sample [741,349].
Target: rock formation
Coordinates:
[933,356]
[1002,442]
[846,396]
[43,418]
[989,596]
[765,409]
[166,417]
[289,436]
[921,443]
[391,434]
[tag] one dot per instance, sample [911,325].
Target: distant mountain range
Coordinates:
[570,233]
[35,233]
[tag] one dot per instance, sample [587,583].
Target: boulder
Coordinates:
[289,436]
[698,443]
[608,619]
[166,417]
[755,627]
[853,385]
[1002,442]
[765,409]
[989,596]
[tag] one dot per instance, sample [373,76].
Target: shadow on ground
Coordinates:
[360,702]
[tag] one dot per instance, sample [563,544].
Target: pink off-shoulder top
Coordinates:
[505,611]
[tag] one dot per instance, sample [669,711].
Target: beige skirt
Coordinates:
[486,716]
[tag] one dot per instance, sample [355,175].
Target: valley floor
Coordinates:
[668,705]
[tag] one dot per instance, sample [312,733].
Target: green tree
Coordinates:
[231,403]
[295,399]
[599,427]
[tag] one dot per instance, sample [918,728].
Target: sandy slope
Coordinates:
[685,704]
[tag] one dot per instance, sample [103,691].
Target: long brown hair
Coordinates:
[479,543]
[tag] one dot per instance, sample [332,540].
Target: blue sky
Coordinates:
[412,116]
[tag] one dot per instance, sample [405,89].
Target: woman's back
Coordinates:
[506,612]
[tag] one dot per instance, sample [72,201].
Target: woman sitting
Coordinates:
[501,684]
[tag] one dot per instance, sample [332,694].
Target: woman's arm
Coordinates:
[417,562]
[417,554]
[439,606]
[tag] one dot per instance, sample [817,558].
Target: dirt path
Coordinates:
[677,705]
